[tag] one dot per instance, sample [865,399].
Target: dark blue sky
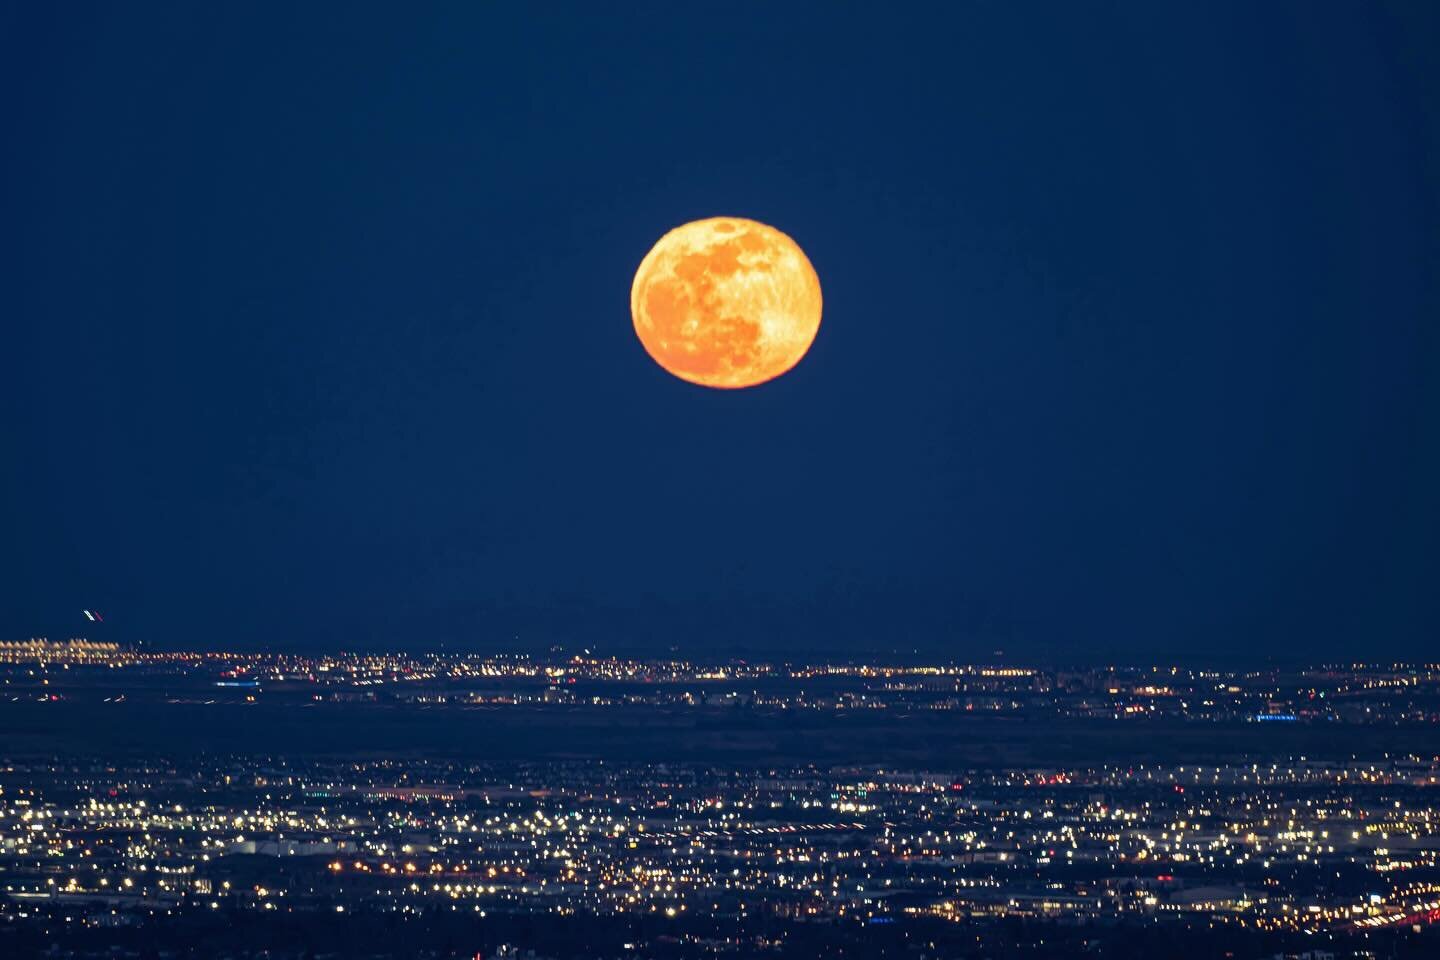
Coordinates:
[317,327]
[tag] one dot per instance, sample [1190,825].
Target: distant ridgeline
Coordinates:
[74,650]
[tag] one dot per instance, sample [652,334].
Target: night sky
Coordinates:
[317,333]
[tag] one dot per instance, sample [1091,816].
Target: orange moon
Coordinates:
[726,302]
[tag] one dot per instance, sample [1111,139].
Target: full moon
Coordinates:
[726,302]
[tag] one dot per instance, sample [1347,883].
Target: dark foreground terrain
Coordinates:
[445,935]
[645,734]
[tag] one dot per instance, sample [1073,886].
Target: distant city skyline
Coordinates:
[586,807]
